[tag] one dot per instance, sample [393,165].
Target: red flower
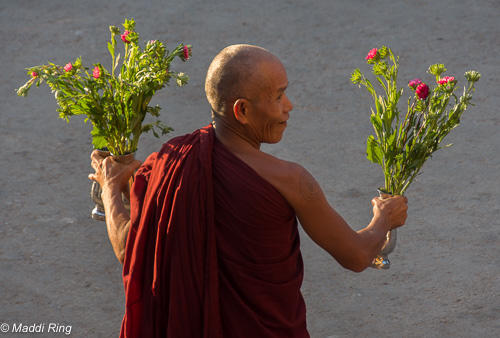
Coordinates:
[371,54]
[34,74]
[422,91]
[414,83]
[124,37]
[68,67]
[96,73]
[446,79]
[185,50]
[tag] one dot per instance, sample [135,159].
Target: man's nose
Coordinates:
[289,105]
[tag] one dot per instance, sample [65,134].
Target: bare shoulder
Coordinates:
[304,185]
[293,181]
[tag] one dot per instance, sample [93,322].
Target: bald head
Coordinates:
[234,74]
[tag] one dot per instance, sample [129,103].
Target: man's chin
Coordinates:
[274,140]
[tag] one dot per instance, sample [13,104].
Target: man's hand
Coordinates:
[111,173]
[113,176]
[393,210]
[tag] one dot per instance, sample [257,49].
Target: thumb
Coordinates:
[136,164]
[132,167]
[92,177]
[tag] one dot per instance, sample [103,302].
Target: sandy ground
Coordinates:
[56,264]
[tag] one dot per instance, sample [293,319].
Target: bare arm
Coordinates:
[117,219]
[113,178]
[354,250]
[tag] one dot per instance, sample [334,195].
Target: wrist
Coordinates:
[380,221]
[110,188]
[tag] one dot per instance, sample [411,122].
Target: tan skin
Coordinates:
[113,178]
[242,128]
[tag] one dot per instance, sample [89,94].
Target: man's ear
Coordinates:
[240,110]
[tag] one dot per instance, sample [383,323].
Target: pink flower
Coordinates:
[68,67]
[96,73]
[34,74]
[371,54]
[124,37]
[414,83]
[185,50]
[422,91]
[446,79]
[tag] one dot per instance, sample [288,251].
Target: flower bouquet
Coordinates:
[117,101]
[402,143]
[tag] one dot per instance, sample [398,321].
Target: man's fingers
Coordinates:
[137,164]
[99,154]
[106,163]
[96,155]
[96,164]
[92,177]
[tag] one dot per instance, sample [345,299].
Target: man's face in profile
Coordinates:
[270,106]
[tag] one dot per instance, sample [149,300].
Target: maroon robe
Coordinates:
[213,248]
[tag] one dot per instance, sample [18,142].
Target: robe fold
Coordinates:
[213,248]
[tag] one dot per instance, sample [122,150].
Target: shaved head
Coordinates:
[234,74]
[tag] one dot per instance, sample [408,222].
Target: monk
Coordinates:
[211,247]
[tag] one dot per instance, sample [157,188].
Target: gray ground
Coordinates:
[56,264]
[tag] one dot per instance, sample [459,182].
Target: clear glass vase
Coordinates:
[381,261]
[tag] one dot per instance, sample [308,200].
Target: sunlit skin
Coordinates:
[246,121]
[262,116]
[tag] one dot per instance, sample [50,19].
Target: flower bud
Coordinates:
[96,73]
[422,91]
[446,80]
[372,54]
[186,52]
[23,91]
[472,76]
[356,76]
[114,30]
[437,69]
[68,67]
[34,74]
[413,84]
[124,37]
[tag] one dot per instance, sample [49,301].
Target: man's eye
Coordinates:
[279,97]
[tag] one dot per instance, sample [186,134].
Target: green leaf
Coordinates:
[98,140]
[111,49]
[380,68]
[116,61]
[379,105]
[377,123]
[373,151]
[147,127]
